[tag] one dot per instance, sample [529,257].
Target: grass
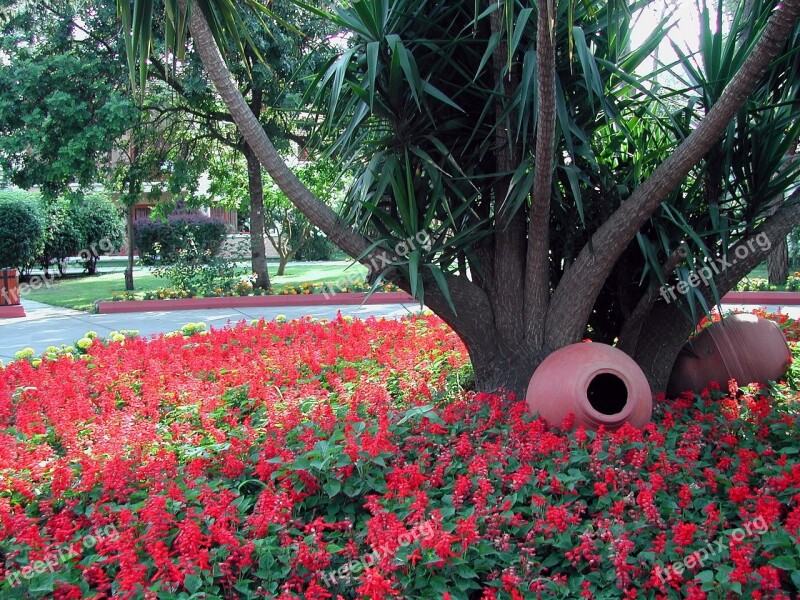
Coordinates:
[81,293]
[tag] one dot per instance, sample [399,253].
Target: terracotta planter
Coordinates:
[599,384]
[746,348]
[9,287]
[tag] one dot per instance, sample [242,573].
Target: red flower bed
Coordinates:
[312,460]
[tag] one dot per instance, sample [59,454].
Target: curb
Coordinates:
[348,298]
[764,298]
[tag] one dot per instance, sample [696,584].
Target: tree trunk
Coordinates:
[258,249]
[282,265]
[778,263]
[131,242]
[341,234]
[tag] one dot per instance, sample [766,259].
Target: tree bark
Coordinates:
[510,225]
[282,265]
[778,263]
[258,249]
[537,272]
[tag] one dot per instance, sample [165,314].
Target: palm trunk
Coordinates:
[253,133]
[537,274]
[656,344]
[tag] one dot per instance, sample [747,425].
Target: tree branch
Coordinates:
[667,326]
[577,292]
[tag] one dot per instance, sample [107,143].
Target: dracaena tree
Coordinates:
[560,175]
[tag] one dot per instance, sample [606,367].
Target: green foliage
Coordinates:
[101,226]
[161,242]
[292,234]
[317,247]
[22,226]
[759,284]
[420,106]
[63,234]
[62,99]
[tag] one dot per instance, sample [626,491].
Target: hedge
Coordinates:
[159,241]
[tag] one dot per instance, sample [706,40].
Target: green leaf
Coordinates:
[332,487]
[192,583]
[787,563]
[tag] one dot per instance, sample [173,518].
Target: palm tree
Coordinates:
[483,125]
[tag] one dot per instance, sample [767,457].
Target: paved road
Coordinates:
[47,325]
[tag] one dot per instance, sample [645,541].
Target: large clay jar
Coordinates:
[599,384]
[743,347]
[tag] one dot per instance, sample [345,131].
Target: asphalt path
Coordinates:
[47,325]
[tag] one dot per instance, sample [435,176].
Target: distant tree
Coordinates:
[273,78]
[292,231]
[63,100]
[101,228]
[62,233]
[67,117]
[22,226]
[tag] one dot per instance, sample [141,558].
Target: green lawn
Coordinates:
[82,292]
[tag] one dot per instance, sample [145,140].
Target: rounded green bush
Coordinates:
[21,230]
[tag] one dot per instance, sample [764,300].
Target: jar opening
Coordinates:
[607,394]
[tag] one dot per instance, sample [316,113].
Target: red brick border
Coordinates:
[349,298]
[355,298]
[763,298]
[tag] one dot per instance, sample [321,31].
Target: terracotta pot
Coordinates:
[9,287]
[746,348]
[599,384]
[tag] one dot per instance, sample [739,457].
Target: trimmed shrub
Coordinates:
[101,226]
[159,242]
[62,236]
[22,226]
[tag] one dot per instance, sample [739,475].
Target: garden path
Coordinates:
[47,325]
